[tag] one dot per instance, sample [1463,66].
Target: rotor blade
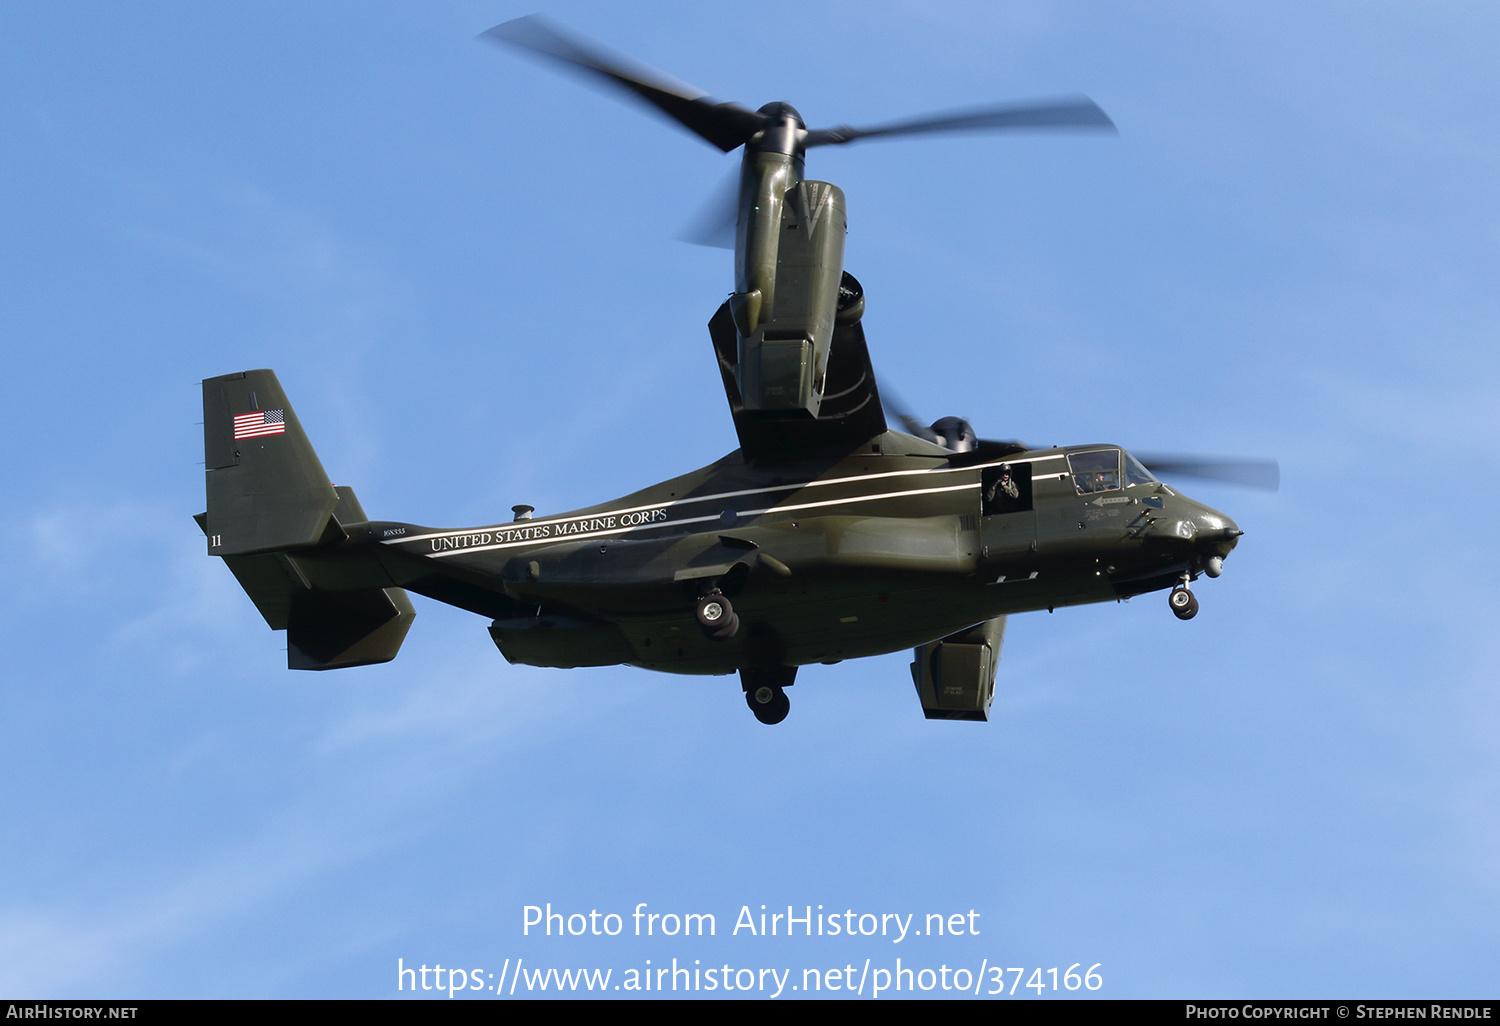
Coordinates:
[1070,112]
[897,409]
[1264,474]
[714,223]
[726,125]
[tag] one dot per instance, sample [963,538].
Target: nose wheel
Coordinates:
[1183,602]
[717,617]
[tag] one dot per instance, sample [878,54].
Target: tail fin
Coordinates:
[275,518]
[267,490]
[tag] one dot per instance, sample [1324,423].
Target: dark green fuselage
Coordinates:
[883,550]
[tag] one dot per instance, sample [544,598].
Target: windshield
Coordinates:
[1136,473]
[1097,471]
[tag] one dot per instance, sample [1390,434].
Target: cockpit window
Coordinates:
[1136,473]
[1097,471]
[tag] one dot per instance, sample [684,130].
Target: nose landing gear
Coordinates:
[1183,602]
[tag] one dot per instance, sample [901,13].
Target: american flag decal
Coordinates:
[260,422]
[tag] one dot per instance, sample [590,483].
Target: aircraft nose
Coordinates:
[1216,538]
[1216,533]
[1211,521]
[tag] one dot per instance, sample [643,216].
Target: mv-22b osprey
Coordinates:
[824,536]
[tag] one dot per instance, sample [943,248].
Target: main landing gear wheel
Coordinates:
[1184,603]
[769,703]
[717,617]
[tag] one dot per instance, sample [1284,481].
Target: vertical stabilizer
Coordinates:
[276,520]
[267,490]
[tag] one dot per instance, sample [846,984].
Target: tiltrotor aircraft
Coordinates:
[825,536]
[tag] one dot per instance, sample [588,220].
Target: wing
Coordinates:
[850,414]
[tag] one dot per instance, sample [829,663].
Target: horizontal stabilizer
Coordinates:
[327,630]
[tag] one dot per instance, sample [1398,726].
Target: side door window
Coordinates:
[1005,489]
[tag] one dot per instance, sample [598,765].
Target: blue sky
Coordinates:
[463,268]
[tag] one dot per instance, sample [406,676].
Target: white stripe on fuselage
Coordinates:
[718,496]
[665,523]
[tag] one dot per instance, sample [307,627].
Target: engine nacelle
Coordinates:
[786,322]
[955,677]
[954,433]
